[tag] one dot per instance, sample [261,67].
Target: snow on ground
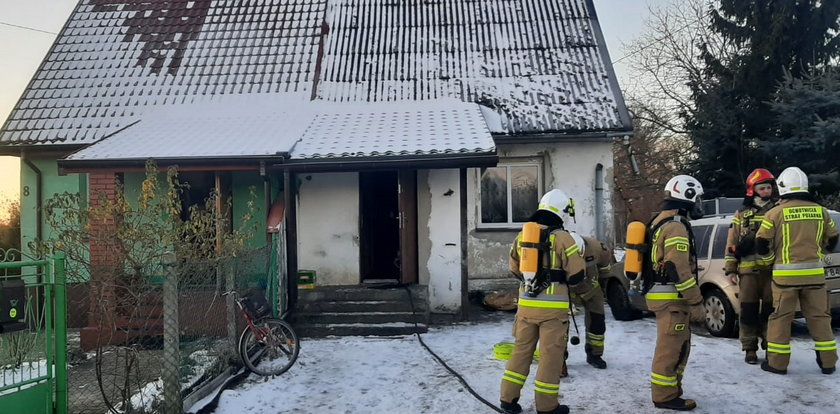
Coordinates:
[397,375]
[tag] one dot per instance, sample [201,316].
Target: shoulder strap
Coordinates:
[691,242]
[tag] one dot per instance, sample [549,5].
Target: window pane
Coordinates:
[719,248]
[494,195]
[701,237]
[524,192]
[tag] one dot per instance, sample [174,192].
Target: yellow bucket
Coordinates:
[502,351]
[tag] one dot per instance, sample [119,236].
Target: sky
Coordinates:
[21,50]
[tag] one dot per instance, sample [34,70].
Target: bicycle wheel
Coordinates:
[272,354]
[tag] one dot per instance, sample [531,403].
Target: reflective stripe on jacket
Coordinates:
[745,223]
[797,231]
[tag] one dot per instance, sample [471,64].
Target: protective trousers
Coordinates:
[813,302]
[756,306]
[550,330]
[592,300]
[673,343]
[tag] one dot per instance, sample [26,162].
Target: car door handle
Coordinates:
[700,268]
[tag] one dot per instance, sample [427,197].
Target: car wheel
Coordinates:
[721,319]
[619,302]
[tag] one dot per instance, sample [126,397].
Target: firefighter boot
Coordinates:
[766,366]
[560,409]
[511,407]
[826,371]
[596,361]
[678,404]
[751,358]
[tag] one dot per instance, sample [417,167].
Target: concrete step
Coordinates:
[359,329]
[359,306]
[360,293]
[357,317]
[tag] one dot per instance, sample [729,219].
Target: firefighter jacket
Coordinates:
[792,236]
[598,258]
[740,243]
[565,254]
[674,263]
[599,261]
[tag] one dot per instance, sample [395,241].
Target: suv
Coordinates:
[720,296]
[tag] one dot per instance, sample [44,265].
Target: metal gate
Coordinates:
[33,335]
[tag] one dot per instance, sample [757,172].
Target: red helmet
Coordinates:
[758,176]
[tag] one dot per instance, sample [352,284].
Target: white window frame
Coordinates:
[510,224]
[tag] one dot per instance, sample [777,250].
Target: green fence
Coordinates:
[33,335]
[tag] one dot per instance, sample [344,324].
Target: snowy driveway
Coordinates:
[397,375]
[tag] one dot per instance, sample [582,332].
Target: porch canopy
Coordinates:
[248,132]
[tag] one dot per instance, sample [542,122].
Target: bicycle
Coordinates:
[267,346]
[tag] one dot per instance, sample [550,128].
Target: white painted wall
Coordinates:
[328,227]
[569,166]
[439,238]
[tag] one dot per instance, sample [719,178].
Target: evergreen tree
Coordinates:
[734,122]
[807,111]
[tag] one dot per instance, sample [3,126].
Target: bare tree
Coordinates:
[667,57]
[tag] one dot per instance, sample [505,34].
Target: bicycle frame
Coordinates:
[249,321]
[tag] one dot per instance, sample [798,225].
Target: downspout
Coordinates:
[267,196]
[39,195]
[465,279]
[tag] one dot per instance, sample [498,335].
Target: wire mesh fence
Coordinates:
[157,322]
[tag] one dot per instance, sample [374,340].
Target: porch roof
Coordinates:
[317,132]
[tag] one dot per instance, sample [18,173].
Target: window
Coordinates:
[719,248]
[701,237]
[509,194]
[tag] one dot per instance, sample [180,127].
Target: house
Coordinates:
[408,139]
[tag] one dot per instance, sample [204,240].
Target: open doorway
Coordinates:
[380,226]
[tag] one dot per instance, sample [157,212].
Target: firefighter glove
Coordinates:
[746,246]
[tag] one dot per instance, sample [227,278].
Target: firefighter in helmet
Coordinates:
[746,270]
[795,235]
[675,297]
[588,293]
[543,308]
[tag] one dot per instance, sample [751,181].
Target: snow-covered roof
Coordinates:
[115,59]
[540,66]
[245,127]
[232,127]
[396,129]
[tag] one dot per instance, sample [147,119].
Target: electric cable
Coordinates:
[442,362]
[17,26]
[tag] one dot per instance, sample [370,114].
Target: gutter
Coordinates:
[325,164]
[555,137]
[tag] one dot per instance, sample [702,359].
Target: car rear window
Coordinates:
[719,248]
[701,237]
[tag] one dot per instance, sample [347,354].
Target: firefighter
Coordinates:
[794,235]
[543,309]
[746,270]
[675,297]
[588,294]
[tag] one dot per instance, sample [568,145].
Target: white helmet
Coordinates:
[685,188]
[558,203]
[792,180]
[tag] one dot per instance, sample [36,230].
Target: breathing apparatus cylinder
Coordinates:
[529,255]
[635,249]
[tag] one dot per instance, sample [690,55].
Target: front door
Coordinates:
[388,242]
